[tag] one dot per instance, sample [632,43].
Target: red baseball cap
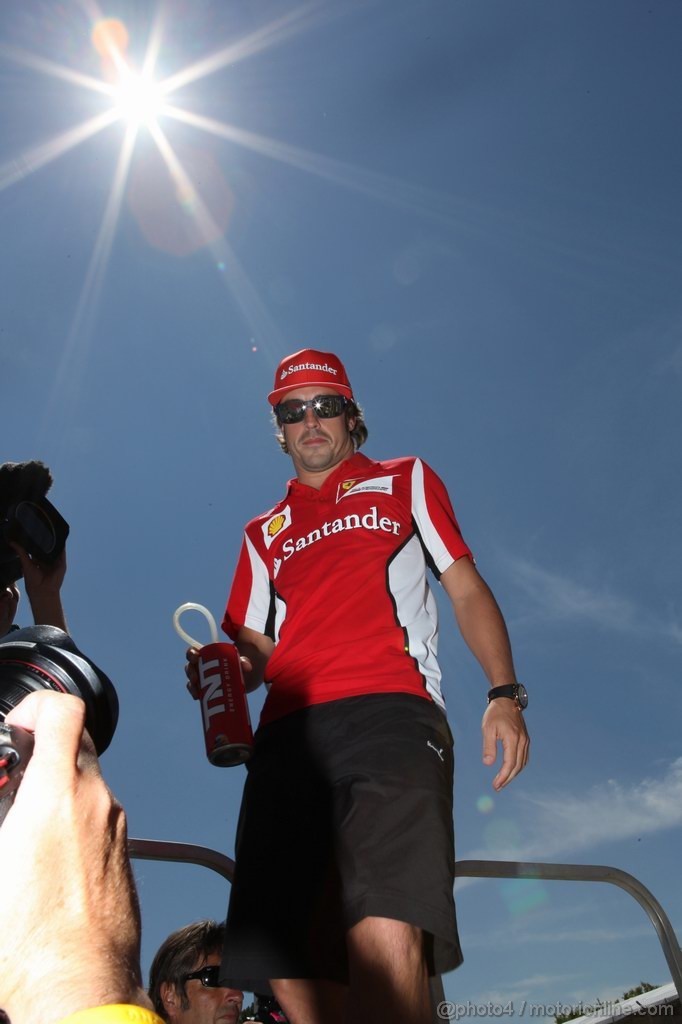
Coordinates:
[309,367]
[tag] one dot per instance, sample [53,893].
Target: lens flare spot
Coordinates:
[186,196]
[174,214]
[485,804]
[502,837]
[382,338]
[523,895]
[110,39]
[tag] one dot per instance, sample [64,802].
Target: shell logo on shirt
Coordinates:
[379,484]
[275,524]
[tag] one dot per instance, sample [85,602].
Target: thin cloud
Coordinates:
[674,631]
[500,938]
[551,596]
[560,824]
[514,998]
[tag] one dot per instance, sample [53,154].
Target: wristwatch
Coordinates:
[517,692]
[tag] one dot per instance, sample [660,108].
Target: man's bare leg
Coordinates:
[388,976]
[311,1002]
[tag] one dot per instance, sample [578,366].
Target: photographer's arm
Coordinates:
[71,933]
[43,587]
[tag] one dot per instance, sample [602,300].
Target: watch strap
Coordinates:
[507,690]
[514,691]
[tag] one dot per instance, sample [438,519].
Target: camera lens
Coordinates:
[35,524]
[46,658]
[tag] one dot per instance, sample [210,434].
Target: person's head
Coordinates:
[316,434]
[19,481]
[29,523]
[184,974]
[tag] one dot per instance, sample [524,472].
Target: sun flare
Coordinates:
[138,100]
[176,190]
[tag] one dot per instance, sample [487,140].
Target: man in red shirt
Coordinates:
[342,896]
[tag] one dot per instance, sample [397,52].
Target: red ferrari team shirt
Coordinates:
[337,578]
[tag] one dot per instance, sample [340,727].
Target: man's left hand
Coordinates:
[503,722]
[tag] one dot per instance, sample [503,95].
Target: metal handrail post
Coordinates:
[588,873]
[183,853]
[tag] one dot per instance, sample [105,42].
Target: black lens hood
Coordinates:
[45,657]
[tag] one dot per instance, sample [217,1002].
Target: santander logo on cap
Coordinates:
[299,367]
[306,368]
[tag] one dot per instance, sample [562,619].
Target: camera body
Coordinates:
[16,747]
[267,1010]
[46,658]
[28,518]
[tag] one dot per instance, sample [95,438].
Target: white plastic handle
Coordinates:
[191,606]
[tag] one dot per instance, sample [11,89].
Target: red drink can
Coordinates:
[224,708]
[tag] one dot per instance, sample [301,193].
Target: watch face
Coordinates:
[521,695]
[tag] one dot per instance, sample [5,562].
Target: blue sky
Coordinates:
[476,203]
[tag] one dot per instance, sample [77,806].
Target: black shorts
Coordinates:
[346,813]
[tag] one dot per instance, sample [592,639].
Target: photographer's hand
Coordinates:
[43,587]
[71,927]
[9,599]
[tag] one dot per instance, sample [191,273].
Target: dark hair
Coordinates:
[177,956]
[358,434]
[19,481]
[23,481]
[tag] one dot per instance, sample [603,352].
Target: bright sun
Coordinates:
[138,99]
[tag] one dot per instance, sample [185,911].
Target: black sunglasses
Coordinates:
[208,976]
[325,407]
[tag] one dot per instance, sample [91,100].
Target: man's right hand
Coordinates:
[192,671]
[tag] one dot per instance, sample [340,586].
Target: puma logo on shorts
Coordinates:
[439,750]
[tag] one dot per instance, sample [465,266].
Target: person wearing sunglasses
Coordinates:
[351,909]
[184,984]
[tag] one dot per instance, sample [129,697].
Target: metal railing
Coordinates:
[588,873]
[185,853]
[182,853]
